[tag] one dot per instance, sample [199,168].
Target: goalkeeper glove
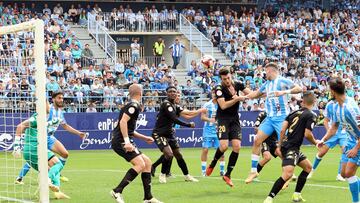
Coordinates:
[17,149]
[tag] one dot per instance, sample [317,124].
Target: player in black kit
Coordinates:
[228,96]
[123,144]
[164,135]
[297,124]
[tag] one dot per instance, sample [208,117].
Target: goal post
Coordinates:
[37,28]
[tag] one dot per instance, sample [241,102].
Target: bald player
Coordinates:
[124,145]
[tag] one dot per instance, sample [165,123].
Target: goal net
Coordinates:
[22,94]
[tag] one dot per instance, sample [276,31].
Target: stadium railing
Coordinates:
[195,37]
[101,36]
[144,22]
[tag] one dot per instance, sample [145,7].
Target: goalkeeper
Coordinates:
[55,119]
[31,155]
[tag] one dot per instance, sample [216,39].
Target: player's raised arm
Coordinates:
[147,139]
[291,87]
[72,130]
[191,114]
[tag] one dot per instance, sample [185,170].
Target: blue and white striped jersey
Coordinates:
[210,128]
[56,118]
[329,112]
[276,106]
[348,115]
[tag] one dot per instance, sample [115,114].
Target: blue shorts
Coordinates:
[51,141]
[271,124]
[338,139]
[356,159]
[209,142]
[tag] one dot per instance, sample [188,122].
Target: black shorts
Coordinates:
[229,129]
[292,157]
[162,141]
[269,147]
[128,156]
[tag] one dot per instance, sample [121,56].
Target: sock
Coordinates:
[354,188]
[316,162]
[146,180]
[166,164]
[339,169]
[222,166]
[259,168]
[203,166]
[159,161]
[54,173]
[232,161]
[129,176]
[25,169]
[301,181]
[217,156]
[182,165]
[276,187]
[254,162]
[169,166]
[63,160]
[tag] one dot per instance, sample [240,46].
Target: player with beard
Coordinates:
[228,97]
[55,119]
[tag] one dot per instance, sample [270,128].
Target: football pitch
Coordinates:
[93,174]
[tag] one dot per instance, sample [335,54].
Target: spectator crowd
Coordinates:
[310,45]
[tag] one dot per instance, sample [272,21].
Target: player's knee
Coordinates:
[308,168]
[169,155]
[205,150]
[267,157]
[287,175]
[258,141]
[223,147]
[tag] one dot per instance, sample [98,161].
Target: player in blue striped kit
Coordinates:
[276,90]
[56,118]
[210,138]
[338,139]
[347,114]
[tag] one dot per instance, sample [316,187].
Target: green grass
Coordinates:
[93,174]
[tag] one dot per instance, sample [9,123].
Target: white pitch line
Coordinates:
[236,179]
[14,199]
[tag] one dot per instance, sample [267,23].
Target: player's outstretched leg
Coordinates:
[59,148]
[156,164]
[286,175]
[218,154]
[255,156]
[146,180]
[232,161]
[25,169]
[54,176]
[182,164]
[138,166]
[322,152]
[353,180]
[306,166]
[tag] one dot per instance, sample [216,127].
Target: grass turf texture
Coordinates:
[93,174]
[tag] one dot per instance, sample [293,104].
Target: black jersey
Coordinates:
[166,118]
[298,121]
[223,92]
[132,109]
[261,117]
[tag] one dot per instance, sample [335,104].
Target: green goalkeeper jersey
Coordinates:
[31,143]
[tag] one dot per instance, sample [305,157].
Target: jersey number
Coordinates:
[222,129]
[294,122]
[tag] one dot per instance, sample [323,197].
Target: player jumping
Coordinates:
[276,90]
